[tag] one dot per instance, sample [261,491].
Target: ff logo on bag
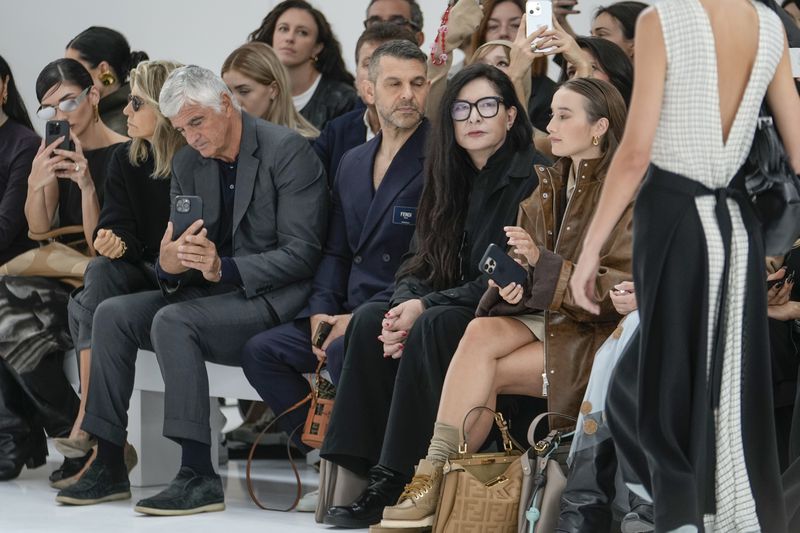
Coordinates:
[406,216]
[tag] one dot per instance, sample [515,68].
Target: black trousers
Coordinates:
[385,408]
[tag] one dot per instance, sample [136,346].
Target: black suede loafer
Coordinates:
[189,493]
[95,486]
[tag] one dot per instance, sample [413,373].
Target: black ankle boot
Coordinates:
[640,519]
[586,500]
[22,441]
[384,487]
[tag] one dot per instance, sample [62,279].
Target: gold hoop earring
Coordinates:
[595,140]
[106,78]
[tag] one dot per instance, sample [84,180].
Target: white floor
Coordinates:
[27,504]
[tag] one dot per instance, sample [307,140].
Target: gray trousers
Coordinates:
[104,278]
[185,329]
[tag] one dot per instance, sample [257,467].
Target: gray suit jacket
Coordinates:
[280,212]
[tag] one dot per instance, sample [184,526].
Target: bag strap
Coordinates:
[539,418]
[508,442]
[299,494]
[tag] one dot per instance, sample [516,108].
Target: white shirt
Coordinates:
[301,100]
[370,135]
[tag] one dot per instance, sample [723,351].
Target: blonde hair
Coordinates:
[484,49]
[148,78]
[258,61]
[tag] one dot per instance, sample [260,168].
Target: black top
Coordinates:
[70,211]
[136,206]
[18,147]
[331,99]
[497,190]
[110,108]
[227,188]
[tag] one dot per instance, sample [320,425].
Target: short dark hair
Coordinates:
[626,13]
[14,107]
[398,48]
[329,62]
[62,71]
[417,19]
[97,44]
[383,32]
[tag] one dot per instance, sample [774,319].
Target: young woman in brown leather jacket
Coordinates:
[532,339]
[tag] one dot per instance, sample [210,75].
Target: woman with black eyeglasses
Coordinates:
[479,166]
[69,182]
[132,222]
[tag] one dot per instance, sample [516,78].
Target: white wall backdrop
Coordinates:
[202,32]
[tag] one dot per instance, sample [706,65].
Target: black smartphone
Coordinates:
[323,330]
[54,129]
[502,269]
[186,210]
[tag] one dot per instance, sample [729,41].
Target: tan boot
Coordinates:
[417,505]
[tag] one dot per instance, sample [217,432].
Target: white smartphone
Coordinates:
[538,13]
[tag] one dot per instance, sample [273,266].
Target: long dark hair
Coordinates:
[329,61]
[14,107]
[445,198]
[612,60]
[60,71]
[97,44]
[625,13]
[602,100]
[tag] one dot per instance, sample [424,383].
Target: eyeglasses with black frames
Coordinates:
[487,107]
[67,106]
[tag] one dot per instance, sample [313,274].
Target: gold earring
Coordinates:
[96,113]
[106,78]
[595,140]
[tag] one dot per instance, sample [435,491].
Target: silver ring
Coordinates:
[77,167]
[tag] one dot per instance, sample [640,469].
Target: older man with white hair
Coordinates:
[244,267]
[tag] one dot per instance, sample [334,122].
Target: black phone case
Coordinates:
[182,219]
[502,269]
[54,129]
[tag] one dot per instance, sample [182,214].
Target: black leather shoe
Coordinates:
[384,487]
[640,519]
[95,486]
[587,498]
[21,447]
[189,493]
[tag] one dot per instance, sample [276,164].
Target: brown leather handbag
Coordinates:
[481,491]
[319,412]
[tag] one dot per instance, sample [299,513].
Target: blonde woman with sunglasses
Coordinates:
[132,222]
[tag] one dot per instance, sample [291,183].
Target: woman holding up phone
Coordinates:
[69,182]
[128,234]
[504,352]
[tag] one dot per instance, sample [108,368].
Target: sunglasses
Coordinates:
[487,107]
[397,20]
[137,102]
[67,106]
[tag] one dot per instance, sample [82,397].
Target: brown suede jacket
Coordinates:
[572,335]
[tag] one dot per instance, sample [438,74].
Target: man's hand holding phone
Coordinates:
[168,258]
[325,329]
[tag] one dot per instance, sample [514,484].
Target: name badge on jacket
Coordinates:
[406,216]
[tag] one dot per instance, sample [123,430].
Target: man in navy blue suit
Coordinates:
[375,198]
[360,125]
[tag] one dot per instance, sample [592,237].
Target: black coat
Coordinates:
[136,205]
[331,99]
[493,205]
[337,137]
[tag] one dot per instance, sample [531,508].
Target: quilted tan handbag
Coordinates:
[480,492]
[544,480]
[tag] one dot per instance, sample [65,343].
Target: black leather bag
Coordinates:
[773,187]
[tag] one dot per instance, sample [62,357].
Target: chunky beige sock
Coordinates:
[444,443]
